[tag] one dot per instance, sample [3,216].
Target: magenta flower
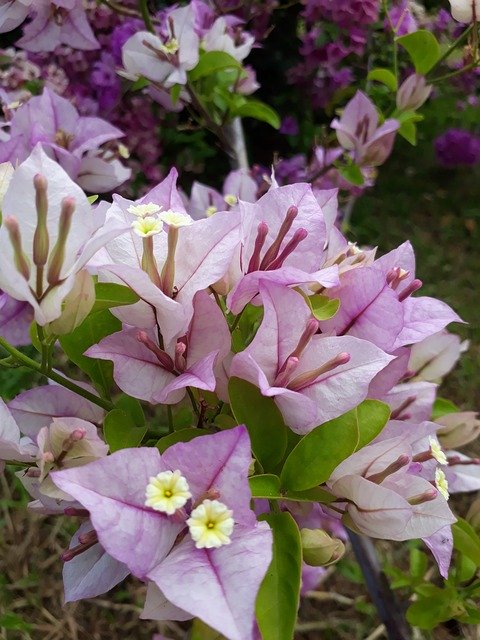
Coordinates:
[67,137]
[42,251]
[214,572]
[358,131]
[282,237]
[58,22]
[145,370]
[313,378]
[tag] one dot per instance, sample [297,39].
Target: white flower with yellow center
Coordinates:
[441,483]
[209,211]
[144,210]
[146,227]
[211,524]
[437,451]
[175,218]
[167,492]
[170,47]
[230,199]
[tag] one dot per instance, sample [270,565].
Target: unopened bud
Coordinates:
[48,457]
[76,306]
[310,377]
[40,238]
[415,285]
[57,257]
[319,549]
[426,496]
[164,359]
[458,429]
[19,258]
[398,464]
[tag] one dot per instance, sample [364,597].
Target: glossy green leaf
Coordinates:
[317,454]
[259,111]
[442,406]
[211,62]
[408,130]
[277,600]
[323,307]
[384,76]
[261,416]
[120,430]
[265,486]
[423,49]
[183,435]
[140,83]
[95,327]
[109,295]
[201,631]
[133,407]
[466,540]
[427,613]
[352,173]
[92,199]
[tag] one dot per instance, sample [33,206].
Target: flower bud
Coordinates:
[413,92]
[458,429]
[40,238]
[319,549]
[57,257]
[19,257]
[76,306]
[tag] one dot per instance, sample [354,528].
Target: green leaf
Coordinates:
[175,93]
[277,600]
[92,199]
[201,631]
[466,540]
[423,49]
[95,327]
[352,174]
[427,613]
[10,620]
[183,435]
[317,454]
[323,307]
[183,418]
[133,407]
[211,62]
[265,486]
[317,494]
[140,83]
[261,416]
[259,111]
[385,76]
[108,295]
[418,563]
[442,407]
[120,430]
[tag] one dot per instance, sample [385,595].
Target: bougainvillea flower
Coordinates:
[283,235]
[458,429]
[311,377]
[145,371]
[441,545]
[218,38]
[55,23]
[465,10]
[195,265]
[92,572]
[13,13]
[70,235]
[384,499]
[14,446]
[15,320]
[376,304]
[462,473]
[65,136]
[358,131]
[432,358]
[205,201]
[164,59]
[413,92]
[224,578]
[411,401]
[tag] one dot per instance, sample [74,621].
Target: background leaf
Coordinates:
[423,49]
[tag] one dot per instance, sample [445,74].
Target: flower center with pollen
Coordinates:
[167,492]
[211,524]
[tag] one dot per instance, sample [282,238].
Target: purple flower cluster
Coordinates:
[457,147]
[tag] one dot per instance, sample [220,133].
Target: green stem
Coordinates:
[452,47]
[452,74]
[56,377]
[170,418]
[193,401]
[236,321]
[146,15]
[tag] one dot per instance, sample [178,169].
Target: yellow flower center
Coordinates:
[441,483]
[148,226]
[437,451]
[170,47]
[175,218]
[230,199]
[167,492]
[211,524]
[143,210]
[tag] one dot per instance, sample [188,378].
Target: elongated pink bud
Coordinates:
[19,257]
[400,462]
[397,413]
[298,237]
[456,460]
[262,232]
[286,371]
[285,227]
[180,360]
[33,472]
[311,329]
[73,511]
[309,378]
[57,257]
[88,538]
[72,553]
[426,496]
[412,287]
[164,359]
[40,238]
[168,272]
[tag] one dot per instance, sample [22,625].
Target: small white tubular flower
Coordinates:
[167,492]
[143,210]
[230,199]
[209,211]
[437,451]
[148,226]
[211,524]
[175,218]
[441,483]
[170,47]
